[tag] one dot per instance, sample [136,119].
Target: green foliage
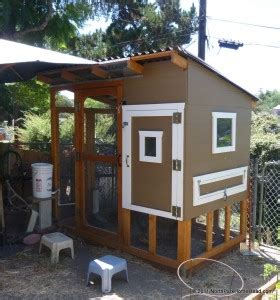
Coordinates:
[66,128]
[22,96]
[269,270]
[45,22]
[35,129]
[268,100]
[139,26]
[265,140]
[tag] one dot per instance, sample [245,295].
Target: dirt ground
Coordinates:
[29,275]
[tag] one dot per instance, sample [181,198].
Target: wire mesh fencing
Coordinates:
[269,205]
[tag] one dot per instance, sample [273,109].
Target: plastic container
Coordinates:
[42,180]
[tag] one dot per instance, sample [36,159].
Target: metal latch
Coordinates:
[176,211]
[177,118]
[176,165]
[124,124]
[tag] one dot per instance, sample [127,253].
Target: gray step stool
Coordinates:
[56,241]
[106,267]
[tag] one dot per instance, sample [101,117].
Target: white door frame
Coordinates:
[154,110]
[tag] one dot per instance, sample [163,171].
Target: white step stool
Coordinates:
[106,267]
[56,241]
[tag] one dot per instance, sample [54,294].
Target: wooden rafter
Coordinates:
[5,67]
[99,72]
[151,55]
[67,75]
[179,60]
[135,67]
[44,78]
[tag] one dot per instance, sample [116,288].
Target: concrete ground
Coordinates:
[29,275]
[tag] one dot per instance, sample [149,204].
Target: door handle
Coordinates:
[126,161]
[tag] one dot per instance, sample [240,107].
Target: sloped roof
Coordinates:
[22,62]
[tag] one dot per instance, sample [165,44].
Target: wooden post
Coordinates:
[184,240]
[243,217]
[152,234]
[119,96]
[126,216]
[2,216]
[209,231]
[55,147]
[227,222]
[79,164]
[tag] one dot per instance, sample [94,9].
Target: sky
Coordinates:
[253,67]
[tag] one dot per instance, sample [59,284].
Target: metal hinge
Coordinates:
[177,118]
[176,165]
[124,124]
[176,211]
[78,156]
[77,106]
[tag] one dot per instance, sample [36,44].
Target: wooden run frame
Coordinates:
[122,238]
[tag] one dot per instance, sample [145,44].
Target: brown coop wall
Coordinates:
[208,93]
[162,82]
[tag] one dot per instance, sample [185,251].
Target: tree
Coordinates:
[29,95]
[139,26]
[265,140]
[49,23]
[268,100]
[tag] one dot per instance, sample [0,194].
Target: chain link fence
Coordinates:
[264,204]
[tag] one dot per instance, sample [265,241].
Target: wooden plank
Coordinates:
[2,216]
[179,60]
[209,231]
[152,234]
[91,84]
[217,251]
[151,55]
[99,92]
[122,232]
[70,76]
[135,67]
[44,78]
[99,72]
[126,217]
[227,222]
[184,240]
[160,260]
[5,67]
[243,216]
[79,164]
[55,148]
[65,110]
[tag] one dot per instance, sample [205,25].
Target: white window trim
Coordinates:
[156,134]
[223,115]
[153,110]
[198,181]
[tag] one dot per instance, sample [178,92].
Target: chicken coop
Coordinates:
[169,182]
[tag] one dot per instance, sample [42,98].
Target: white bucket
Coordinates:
[42,180]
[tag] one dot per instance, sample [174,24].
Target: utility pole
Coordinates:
[202,29]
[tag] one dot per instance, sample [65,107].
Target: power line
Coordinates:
[243,23]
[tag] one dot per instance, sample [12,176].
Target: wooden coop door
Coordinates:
[98,159]
[153,159]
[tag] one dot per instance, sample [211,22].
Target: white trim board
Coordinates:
[218,176]
[153,110]
[223,115]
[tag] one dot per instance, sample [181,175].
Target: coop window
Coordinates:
[223,132]
[150,143]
